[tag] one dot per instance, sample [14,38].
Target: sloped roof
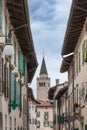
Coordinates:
[43,67]
[19,16]
[44,103]
[61,92]
[52,91]
[78,15]
[75,24]
[65,64]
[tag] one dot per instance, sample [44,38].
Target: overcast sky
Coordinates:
[48,25]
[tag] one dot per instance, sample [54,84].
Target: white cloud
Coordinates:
[48,24]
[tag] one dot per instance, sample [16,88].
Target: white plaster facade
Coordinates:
[32,122]
[42,109]
[11,119]
[80,84]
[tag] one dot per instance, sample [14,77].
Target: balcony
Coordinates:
[68,117]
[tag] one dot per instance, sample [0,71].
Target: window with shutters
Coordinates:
[38,124]
[18,94]
[76,94]
[46,123]
[12,87]
[21,63]
[79,61]
[5,85]
[0,14]
[15,54]
[46,115]
[84,52]
[38,114]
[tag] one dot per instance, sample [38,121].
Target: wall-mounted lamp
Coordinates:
[9,49]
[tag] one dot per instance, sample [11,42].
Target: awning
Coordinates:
[75,24]
[66,63]
[61,92]
[19,15]
[51,92]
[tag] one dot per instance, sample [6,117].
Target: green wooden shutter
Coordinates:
[18,94]
[21,63]
[58,103]
[85,127]
[0,14]
[15,54]
[46,123]
[12,87]
[24,65]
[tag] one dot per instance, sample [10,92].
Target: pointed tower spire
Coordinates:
[43,69]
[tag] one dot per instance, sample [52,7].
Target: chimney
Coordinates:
[57,81]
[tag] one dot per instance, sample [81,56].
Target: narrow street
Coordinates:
[43,65]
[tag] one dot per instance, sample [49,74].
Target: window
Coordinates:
[38,114]
[76,63]
[46,115]
[76,94]
[84,52]
[46,123]
[21,63]
[18,94]
[38,124]
[51,124]
[5,119]
[5,128]
[15,54]
[14,123]
[0,14]
[13,88]
[10,121]
[79,61]
[42,84]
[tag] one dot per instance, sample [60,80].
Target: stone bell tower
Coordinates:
[43,82]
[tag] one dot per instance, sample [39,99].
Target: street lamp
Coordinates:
[8,49]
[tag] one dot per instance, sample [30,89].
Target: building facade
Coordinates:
[16,70]
[76,65]
[44,115]
[32,110]
[58,97]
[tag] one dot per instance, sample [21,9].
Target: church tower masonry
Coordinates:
[43,82]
